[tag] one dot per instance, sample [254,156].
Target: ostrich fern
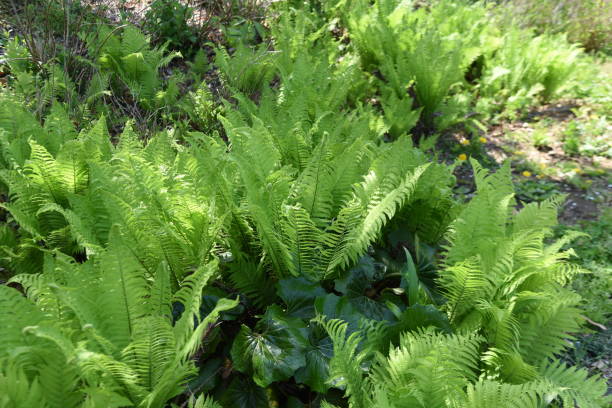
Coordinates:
[101,333]
[426,369]
[508,308]
[316,188]
[507,283]
[71,200]
[108,241]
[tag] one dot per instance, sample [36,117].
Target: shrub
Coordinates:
[168,22]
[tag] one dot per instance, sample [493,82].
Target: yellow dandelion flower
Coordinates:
[482,139]
[539,176]
[589,181]
[462,157]
[526,173]
[464,142]
[577,170]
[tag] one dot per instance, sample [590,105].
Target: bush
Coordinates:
[168,22]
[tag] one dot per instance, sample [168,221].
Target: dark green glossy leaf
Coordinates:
[208,377]
[320,350]
[299,295]
[357,286]
[400,236]
[274,350]
[420,316]
[358,278]
[243,393]
[336,307]
[372,309]
[210,296]
[293,402]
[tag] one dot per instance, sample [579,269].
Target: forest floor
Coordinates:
[546,169]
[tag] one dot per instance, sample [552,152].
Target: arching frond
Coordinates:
[572,386]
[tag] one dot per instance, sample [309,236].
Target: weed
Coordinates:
[541,139]
[535,190]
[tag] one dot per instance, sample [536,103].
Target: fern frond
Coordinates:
[380,206]
[152,351]
[482,224]
[119,375]
[203,401]
[432,367]
[123,293]
[538,216]
[303,242]
[487,393]
[17,389]
[501,324]
[43,170]
[546,329]
[251,279]
[17,312]
[463,284]
[312,187]
[345,366]
[572,386]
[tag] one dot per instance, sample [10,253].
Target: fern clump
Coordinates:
[70,201]
[519,75]
[128,61]
[506,301]
[101,333]
[290,236]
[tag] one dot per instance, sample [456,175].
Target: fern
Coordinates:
[246,70]
[203,402]
[116,242]
[425,370]
[520,74]
[509,286]
[490,393]
[131,62]
[428,368]
[572,386]
[113,330]
[345,367]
